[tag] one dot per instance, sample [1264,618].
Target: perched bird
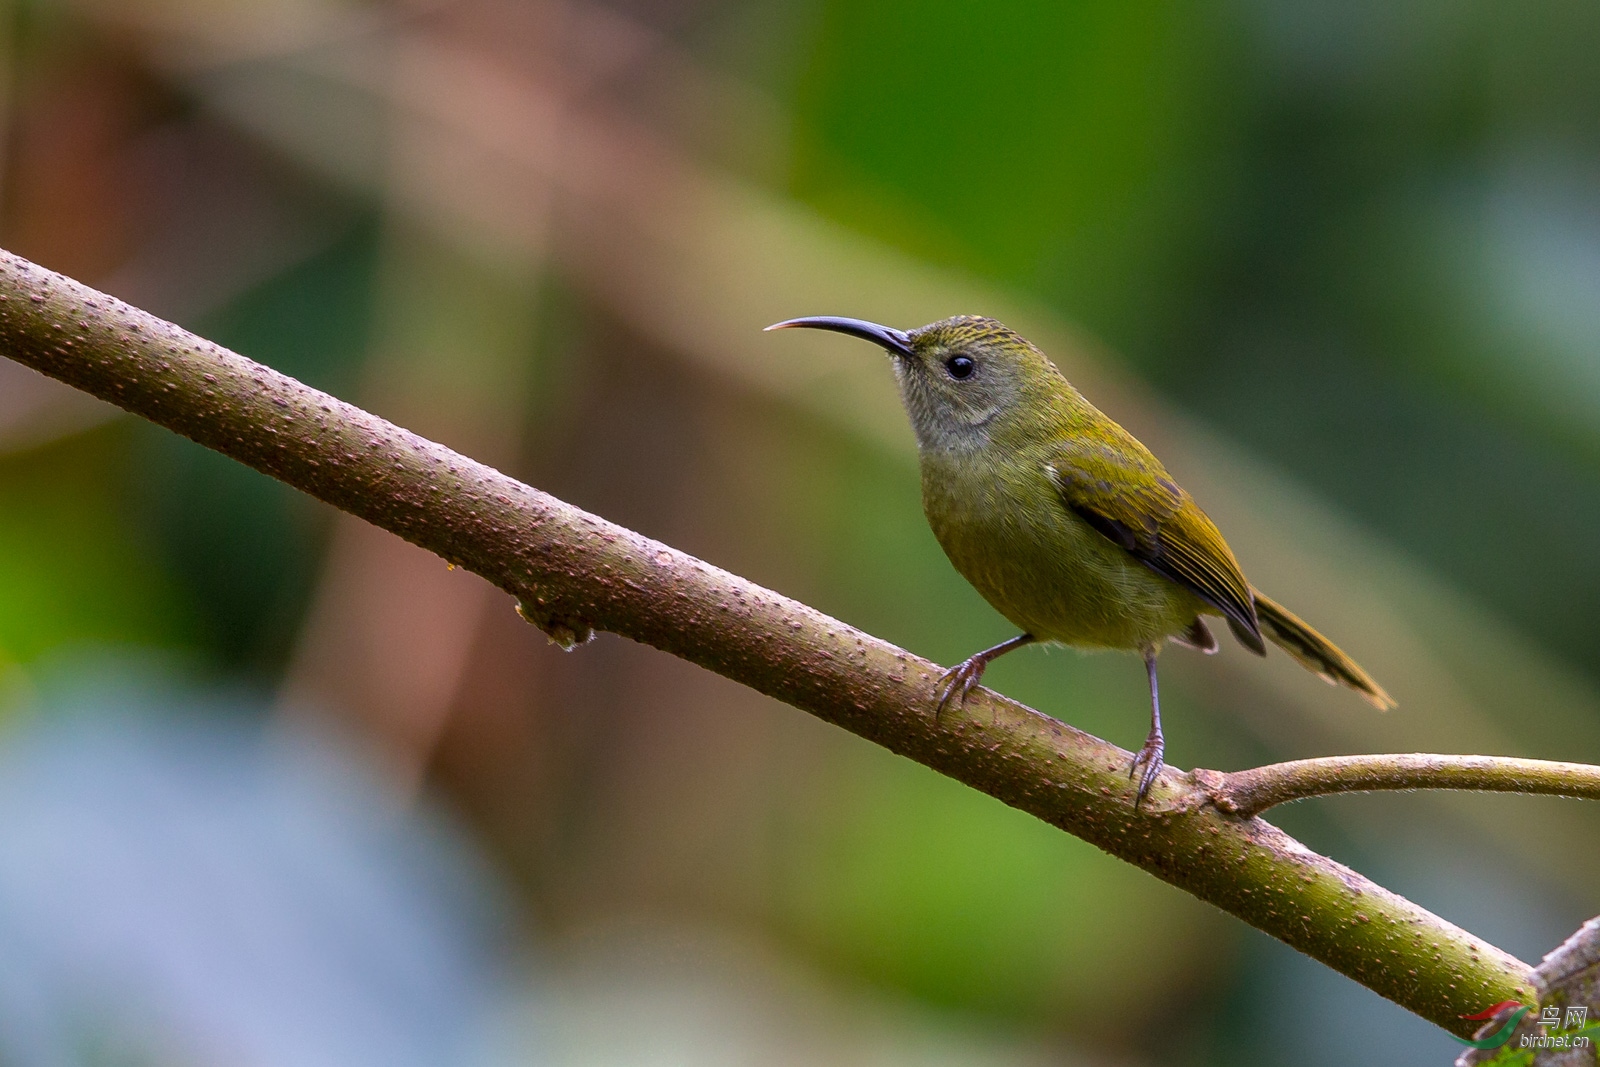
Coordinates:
[1064,522]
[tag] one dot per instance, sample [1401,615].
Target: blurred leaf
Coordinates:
[904,877]
[242,545]
[69,571]
[1059,146]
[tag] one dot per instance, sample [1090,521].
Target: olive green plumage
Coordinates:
[1064,522]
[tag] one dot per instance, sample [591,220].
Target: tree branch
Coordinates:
[573,572]
[1252,792]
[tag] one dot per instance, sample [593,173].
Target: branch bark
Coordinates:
[1253,791]
[573,572]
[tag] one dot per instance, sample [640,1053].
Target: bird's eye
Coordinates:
[960,366]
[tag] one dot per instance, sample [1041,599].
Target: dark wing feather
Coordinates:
[1125,494]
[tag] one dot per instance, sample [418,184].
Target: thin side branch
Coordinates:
[1252,792]
[573,572]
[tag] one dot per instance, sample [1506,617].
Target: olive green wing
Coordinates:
[1123,492]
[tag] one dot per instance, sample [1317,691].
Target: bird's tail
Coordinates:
[1316,653]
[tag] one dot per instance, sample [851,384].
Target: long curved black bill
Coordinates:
[894,340]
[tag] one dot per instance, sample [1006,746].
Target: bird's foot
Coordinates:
[1147,764]
[955,683]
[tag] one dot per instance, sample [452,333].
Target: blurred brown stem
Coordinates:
[573,572]
[1252,792]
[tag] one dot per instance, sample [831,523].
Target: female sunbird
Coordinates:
[1064,522]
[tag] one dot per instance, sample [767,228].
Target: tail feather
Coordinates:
[1316,653]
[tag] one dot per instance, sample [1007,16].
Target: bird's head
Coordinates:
[962,379]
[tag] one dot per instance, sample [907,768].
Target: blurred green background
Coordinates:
[278,789]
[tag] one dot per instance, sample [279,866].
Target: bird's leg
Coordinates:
[959,680]
[1149,757]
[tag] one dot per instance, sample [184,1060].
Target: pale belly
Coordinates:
[1046,570]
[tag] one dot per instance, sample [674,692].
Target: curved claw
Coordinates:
[1151,761]
[957,682]
[961,679]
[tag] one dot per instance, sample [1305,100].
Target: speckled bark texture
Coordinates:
[572,571]
[1254,791]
